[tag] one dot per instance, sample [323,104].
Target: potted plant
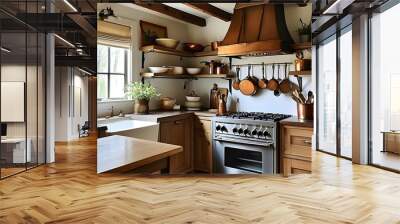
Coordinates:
[304,32]
[141,93]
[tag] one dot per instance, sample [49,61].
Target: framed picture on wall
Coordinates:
[150,32]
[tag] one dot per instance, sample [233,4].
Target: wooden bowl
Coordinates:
[167,42]
[167,103]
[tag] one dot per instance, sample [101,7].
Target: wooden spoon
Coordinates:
[262,83]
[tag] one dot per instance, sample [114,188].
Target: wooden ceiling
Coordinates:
[185,16]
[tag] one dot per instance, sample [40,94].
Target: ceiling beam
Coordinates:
[175,13]
[84,24]
[211,10]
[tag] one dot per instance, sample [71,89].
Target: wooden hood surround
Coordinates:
[257,30]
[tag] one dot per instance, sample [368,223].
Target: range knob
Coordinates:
[254,132]
[266,134]
[218,127]
[240,131]
[260,133]
[235,130]
[246,131]
[224,129]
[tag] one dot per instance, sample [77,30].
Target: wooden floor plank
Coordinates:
[70,191]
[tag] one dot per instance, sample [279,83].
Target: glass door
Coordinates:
[334,100]
[22,100]
[345,89]
[385,90]
[327,93]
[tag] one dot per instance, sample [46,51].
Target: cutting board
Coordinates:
[214,97]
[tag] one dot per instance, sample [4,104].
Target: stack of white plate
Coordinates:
[193,103]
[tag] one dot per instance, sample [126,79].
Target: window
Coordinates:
[346,71]
[334,103]
[111,71]
[327,96]
[385,89]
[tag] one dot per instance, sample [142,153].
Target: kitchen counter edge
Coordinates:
[294,121]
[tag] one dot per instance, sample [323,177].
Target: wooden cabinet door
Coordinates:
[297,142]
[296,149]
[179,132]
[202,146]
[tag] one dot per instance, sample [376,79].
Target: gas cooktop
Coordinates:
[257,116]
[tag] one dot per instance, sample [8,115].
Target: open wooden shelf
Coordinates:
[170,51]
[183,76]
[300,73]
[302,46]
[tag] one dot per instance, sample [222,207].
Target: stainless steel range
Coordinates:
[246,143]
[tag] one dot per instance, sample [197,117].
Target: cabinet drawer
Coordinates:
[293,166]
[297,142]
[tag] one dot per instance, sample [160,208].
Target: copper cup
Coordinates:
[305,111]
[215,45]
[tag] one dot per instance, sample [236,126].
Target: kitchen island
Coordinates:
[121,154]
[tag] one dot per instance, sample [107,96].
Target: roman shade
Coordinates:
[113,34]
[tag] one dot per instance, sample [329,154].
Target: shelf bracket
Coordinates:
[143,58]
[230,80]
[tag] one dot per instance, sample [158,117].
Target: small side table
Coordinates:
[391,141]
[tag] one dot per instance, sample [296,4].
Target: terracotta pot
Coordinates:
[141,107]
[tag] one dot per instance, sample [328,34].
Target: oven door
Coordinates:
[231,157]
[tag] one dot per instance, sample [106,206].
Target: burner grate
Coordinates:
[258,116]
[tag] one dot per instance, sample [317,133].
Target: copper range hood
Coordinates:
[257,30]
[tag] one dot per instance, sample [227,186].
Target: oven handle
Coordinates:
[235,140]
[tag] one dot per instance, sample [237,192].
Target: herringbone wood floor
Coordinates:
[70,191]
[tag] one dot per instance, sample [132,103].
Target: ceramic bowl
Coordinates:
[159,69]
[167,42]
[192,104]
[193,71]
[193,98]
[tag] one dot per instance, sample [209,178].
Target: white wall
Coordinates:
[68,117]
[215,30]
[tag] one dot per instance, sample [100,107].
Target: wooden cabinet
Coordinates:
[296,151]
[179,131]
[202,144]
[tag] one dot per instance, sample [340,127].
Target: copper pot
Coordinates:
[305,111]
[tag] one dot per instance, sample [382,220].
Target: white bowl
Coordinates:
[193,98]
[159,69]
[167,42]
[193,71]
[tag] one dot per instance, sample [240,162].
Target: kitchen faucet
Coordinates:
[112,111]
